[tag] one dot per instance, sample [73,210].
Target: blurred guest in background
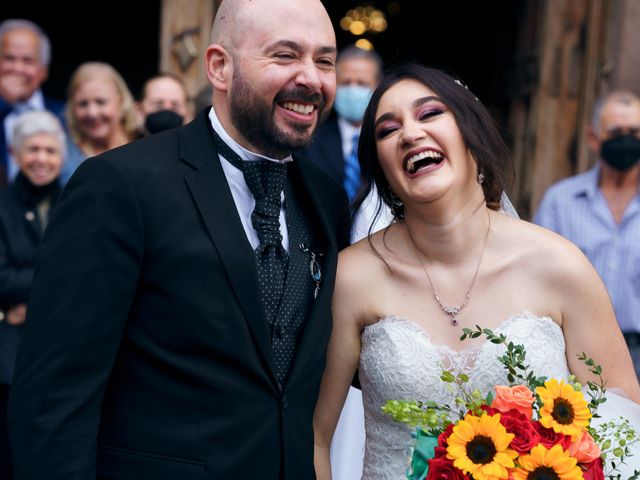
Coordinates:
[100,113]
[25,53]
[599,210]
[38,147]
[335,146]
[164,104]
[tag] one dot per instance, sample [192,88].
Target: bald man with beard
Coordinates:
[174,331]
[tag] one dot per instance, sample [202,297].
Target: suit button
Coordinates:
[30,216]
[285,402]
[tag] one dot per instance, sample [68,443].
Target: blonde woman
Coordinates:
[100,113]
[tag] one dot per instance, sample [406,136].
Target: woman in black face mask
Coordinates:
[164,104]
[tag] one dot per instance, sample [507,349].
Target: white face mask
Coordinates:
[351,102]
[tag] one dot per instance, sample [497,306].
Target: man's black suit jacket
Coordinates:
[326,149]
[146,352]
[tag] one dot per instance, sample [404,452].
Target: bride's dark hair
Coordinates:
[476,125]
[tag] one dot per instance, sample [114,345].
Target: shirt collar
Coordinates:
[244,154]
[34,102]
[347,129]
[589,185]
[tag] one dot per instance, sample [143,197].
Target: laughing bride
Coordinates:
[451,260]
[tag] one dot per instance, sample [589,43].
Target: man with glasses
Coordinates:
[599,210]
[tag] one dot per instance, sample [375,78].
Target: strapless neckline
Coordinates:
[420,330]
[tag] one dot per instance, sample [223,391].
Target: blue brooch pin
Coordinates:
[314,268]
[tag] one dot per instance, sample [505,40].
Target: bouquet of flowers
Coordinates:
[533,429]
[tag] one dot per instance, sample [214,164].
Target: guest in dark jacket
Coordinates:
[38,147]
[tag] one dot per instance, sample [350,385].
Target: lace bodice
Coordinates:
[398,361]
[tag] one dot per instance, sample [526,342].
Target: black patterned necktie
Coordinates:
[265,180]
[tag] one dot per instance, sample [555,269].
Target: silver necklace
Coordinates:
[453,310]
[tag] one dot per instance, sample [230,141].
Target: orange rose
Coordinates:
[517,398]
[584,450]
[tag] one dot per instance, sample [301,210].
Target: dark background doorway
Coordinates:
[114,32]
[474,40]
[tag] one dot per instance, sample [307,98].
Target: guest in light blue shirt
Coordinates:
[599,210]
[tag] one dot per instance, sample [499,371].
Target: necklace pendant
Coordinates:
[454,321]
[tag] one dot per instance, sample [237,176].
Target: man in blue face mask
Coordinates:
[599,210]
[335,145]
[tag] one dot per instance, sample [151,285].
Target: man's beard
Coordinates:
[254,118]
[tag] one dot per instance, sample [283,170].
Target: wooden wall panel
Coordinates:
[184,36]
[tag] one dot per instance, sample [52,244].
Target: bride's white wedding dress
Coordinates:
[399,361]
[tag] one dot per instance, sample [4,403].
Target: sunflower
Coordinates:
[480,446]
[564,410]
[547,464]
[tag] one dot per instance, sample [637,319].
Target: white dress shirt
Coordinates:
[242,196]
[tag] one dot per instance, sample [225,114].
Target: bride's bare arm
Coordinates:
[342,360]
[590,326]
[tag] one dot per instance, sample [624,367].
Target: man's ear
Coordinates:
[593,140]
[219,67]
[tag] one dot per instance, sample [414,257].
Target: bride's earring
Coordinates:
[397,207]
[480,177]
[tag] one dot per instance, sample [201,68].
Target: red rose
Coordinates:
[549,438]
[486,408]
[443,469]
[593,470]
[444,436]
[526,436]
[439,452]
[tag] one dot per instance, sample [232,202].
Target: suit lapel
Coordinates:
[212,196]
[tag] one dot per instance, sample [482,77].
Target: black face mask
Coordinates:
[162,120]
[621,152]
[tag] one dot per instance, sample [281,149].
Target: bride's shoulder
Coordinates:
[368,259]
[541,250]
[371,249]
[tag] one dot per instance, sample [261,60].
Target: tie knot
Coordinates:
[265,179]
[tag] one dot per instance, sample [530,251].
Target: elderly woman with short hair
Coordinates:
[38,147]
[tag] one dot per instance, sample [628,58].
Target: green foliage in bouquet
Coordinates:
[521,430]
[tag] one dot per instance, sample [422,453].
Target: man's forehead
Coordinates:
[21,36]
[21,42]
[621,113]
[301,22]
